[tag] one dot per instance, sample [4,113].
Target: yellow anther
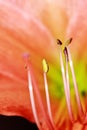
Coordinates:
[45,66]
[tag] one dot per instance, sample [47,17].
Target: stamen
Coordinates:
[32,85]
[66,89]
[45,69]
[67,74]
[81,113]
[67,94]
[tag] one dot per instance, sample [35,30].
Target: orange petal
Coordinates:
[20,32]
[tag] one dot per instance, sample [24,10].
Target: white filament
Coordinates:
[66,88]
[75,85]
[32,100]
[48,101]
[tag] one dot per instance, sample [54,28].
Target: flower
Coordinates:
[31,28]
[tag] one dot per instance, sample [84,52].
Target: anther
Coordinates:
[59,42]
[66,53]
[45,66]
[68,41]
[26,57]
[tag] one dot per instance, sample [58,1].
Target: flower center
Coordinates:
[47,118]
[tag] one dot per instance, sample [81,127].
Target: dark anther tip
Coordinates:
[59,42]
[65,50]
[71,39]
[66,53]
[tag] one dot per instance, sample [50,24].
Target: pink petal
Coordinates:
[20,32]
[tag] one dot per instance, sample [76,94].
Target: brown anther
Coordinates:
[68,41]
[59,42]
[66,53]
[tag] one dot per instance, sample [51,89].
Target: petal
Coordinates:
[20,32]
[51,13]
[66,20]
[77,26]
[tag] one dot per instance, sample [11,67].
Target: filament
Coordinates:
[67,73]
[81,113]
[45,69]
[65,82]
[32,100]
[66,88]
[67,79]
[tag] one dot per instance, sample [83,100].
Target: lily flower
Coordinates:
[41,92]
